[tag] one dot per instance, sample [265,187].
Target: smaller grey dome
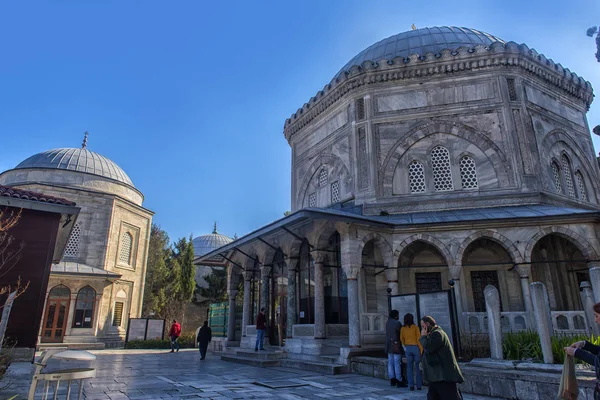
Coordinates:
[207,243]
[81,160]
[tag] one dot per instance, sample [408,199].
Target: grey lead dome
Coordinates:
[81,160]
[421,42]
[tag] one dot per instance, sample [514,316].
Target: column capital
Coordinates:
[248,275]
[524,270]
[265,270]
[351,271]
[319,257]
[593,264]
[232,294]
[455,271]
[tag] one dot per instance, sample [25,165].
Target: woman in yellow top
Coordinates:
[409,336]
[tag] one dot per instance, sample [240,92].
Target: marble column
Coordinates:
[319,299]
[231,316]
[247,305]
[524,273]
[292,312]
[595,279]
[543,319]
[455,276]
[492,306]
[353,307]
[587,299]
[265,289]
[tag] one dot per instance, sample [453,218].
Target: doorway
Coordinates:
[55,315]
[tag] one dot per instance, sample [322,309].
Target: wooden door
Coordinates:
[56,314]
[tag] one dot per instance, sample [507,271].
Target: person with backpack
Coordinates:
[393,349]
[174,334]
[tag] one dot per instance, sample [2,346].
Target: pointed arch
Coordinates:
[578,240]
[502,240]
[435,242]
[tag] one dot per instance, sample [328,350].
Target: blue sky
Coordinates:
[190,97]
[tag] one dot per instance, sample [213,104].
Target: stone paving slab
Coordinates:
[154,375]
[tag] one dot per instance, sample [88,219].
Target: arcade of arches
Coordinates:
[331,281]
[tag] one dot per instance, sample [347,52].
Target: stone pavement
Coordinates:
[152,374]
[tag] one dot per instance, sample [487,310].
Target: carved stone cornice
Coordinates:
[462,60]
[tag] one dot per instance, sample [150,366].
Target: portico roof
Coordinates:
[406,220]
[77,269]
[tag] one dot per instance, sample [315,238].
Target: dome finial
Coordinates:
[85,137]
[215,228]
[414,27]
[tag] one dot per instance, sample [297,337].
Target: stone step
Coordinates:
[71,346]
[261,354]
[324,368]
[256,362]
[330,359]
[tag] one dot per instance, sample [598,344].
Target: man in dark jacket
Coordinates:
[394,350]
[203,339]
[440,368]
[261,327]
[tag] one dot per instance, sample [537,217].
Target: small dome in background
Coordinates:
[80,160]
[207,243]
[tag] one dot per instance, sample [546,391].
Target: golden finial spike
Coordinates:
[215,228]
[414,27]
[85,137]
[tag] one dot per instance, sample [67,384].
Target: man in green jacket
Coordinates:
[440,368]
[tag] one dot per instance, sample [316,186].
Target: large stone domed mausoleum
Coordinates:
[435,163]
[99,282]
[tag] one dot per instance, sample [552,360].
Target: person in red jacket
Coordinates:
[174,335]
[261,327]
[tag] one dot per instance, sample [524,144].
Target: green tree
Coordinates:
[155,296]
[184,252]
[216,291]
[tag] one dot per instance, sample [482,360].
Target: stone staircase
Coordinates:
[275,357]
[71,346]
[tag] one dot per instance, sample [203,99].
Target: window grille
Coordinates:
[468,173]
[556,177]
[322,178]
[442,175]
[581,184]
[335,192]
[118,314]
[512,90]
[360,109]
[312,200]
[416,177]
[566,164]
[72,247]
[126,245]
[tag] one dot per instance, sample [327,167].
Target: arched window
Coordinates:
[416,177]
[126,247]
[335,192]
[556,177]
[468,173]
[442,174]
[566,164]
[581,185]
[323,177]
[84,308]
[72,247]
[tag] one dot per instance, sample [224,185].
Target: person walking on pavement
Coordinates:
[174,335]
[203,339]
[410,335]
[394,350]
[440,368]
[261,327]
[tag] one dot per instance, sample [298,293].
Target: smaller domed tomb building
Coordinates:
[99,283]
